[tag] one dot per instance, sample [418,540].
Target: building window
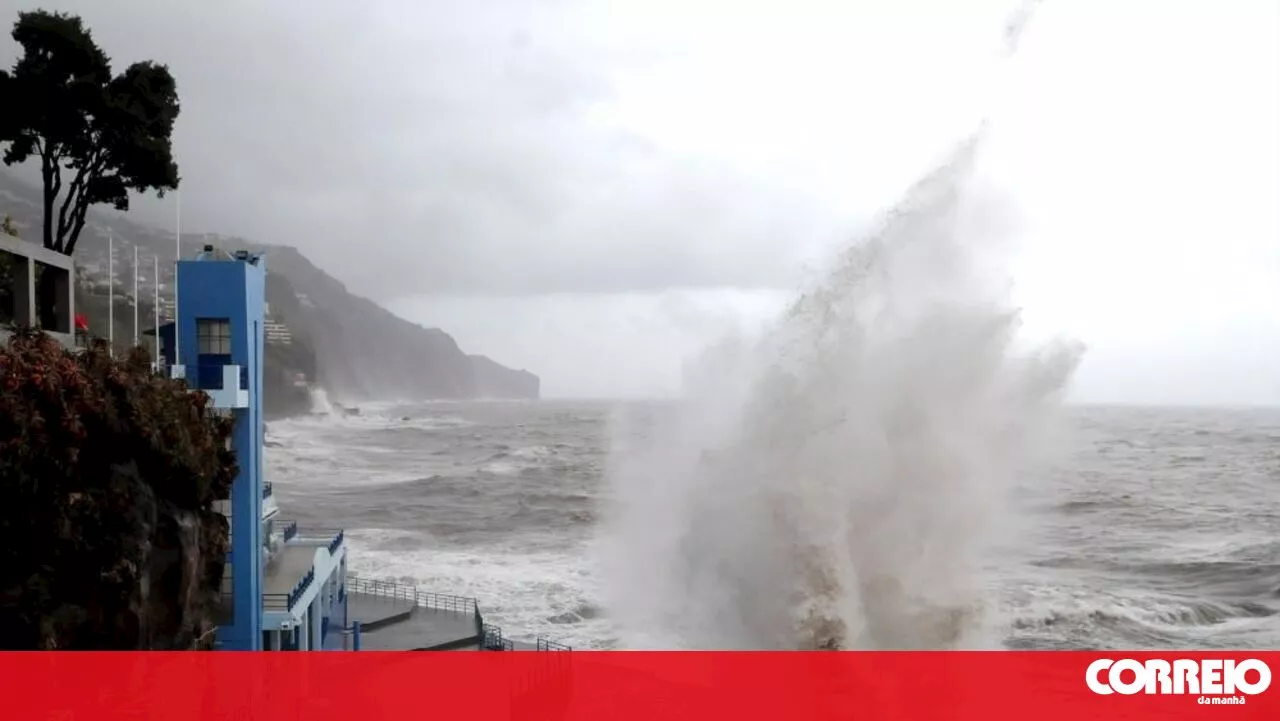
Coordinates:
[213,336]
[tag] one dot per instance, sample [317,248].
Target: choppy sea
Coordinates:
[1159,529]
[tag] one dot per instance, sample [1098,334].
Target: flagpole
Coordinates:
[155,307]
[135,295]
[177,256]
[111,292]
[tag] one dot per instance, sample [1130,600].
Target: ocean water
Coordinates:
[1152,528]
[887,465]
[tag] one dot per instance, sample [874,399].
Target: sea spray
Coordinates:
[835,485]
[320,405]
[838,483]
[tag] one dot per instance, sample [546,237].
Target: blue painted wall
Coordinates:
[234,290]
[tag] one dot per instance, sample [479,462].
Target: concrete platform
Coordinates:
[287,567]
[374,612]
[399,617]
[425,629]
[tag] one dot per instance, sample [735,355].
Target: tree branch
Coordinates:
[70,236]
[79,186]
[82,210]
[76,187]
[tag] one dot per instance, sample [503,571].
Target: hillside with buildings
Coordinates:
[318,333]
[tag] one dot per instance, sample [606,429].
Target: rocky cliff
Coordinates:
[364,351]
[349,345]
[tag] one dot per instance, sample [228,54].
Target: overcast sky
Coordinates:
[592,188]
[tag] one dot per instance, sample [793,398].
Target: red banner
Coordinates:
[653,686]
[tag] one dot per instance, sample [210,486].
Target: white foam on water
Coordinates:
[501,468]
[527,593]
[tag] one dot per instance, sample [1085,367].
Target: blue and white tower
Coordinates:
[219,333]
[285,588]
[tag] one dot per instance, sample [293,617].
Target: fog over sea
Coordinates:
[1158,528]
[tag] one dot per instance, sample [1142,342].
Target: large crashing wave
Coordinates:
[837,484]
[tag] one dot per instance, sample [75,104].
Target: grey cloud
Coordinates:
[436,147]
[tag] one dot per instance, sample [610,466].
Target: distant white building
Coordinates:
[275,331]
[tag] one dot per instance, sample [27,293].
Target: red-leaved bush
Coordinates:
[108,475]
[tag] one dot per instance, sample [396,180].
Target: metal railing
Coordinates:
[301,587]
[382,589]
[327,537]
[410,595]
[491,637]
[543,644]
[493,640]
[446,602]
[393,590]
[286,601]
[335,543]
